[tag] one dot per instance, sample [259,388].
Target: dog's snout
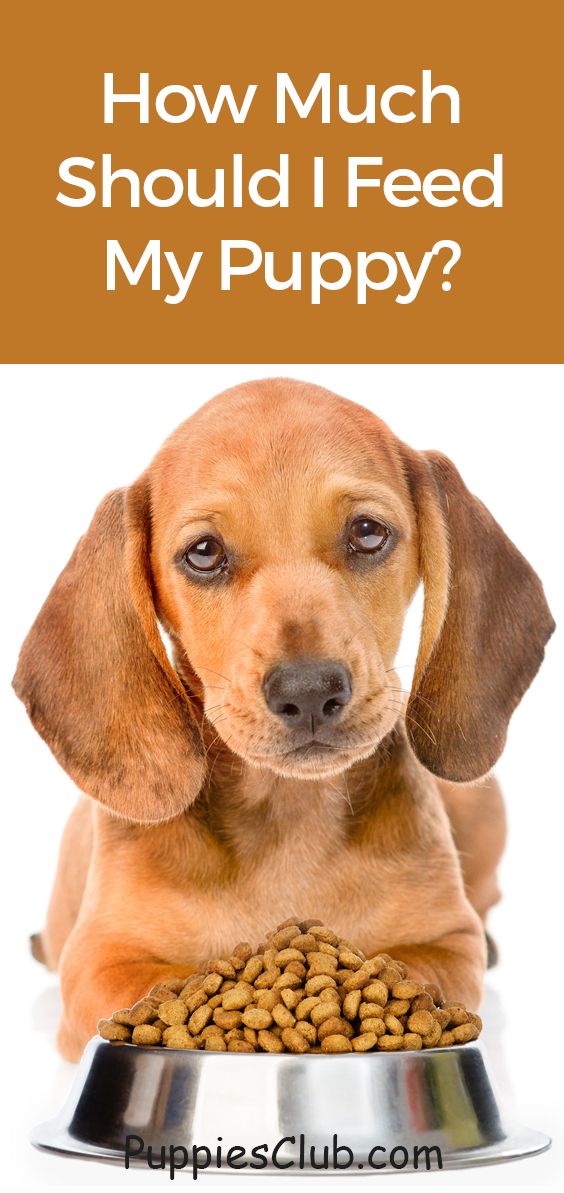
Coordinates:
[308,693]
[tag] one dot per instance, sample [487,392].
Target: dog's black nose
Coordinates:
[309,693]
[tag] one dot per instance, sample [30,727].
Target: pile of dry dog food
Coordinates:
[305,990]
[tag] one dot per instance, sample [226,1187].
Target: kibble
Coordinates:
[304,990]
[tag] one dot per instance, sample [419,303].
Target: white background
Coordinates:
[70,434]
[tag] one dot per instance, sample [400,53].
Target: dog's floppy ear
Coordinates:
[95,678]
[485,626]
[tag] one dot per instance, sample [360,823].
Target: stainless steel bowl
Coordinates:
[440,1098]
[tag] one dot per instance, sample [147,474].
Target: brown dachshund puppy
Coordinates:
[273,768]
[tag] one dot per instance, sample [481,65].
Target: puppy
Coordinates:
[215,669]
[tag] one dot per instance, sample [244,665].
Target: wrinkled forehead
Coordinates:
[279,453]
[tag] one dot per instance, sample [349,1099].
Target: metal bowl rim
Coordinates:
[285,1056]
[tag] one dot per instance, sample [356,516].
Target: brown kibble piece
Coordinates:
[335,1026]
[179,1037]
[421,1022]
[336,1043]
[321,982]
[376,992]
[390,1043]
[239,997]
[397,1006]
[191,985]
[162,993]
[371,1010]
[324,1011]
[319,963]
[447,1039]
[328,950]
[296,967]
[196,999]
[212,983]
[174,1012]
[412,1040]
[257,1018]
[349,960]
[291,998]
[305,942]
[375,1026]
[143,1012]
[269,1042]
[211,1030]
[465,1032]
[282,1016]
[282,939]
[406,989]
[227,1019]
[356,980]
[393,1025]
[351,1003]
[243,950]
[267,978]
[373,966]
[224,968]
[122,1017]
[305,1007]
[240,1046]
[200,1018]
[308,1031]
[422,1002]
[433,1036]
[330,997]
[267,999]
[109,1030]
[458,1014]
[435,993]
[215,1043]
[364,1042]
[322,933]
[391,975]
[294,1040]
[252,969]
[286,981]
[146,1033]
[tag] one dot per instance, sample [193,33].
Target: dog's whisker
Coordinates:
[200,667]
[427,731]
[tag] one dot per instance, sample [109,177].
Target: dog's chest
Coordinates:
[298,859]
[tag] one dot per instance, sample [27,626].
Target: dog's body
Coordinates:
[278,768]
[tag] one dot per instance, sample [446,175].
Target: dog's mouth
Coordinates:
[313,758]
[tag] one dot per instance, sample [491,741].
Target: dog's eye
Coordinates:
[368,536]
[206,555]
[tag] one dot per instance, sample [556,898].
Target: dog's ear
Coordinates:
[485,626]
[95,678]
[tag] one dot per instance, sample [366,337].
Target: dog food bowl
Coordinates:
[283,1106]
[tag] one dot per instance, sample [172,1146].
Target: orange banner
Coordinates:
[311,182]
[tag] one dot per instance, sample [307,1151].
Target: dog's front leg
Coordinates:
[455,963]
[102,972]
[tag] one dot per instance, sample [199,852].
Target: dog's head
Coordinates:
[278,538]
